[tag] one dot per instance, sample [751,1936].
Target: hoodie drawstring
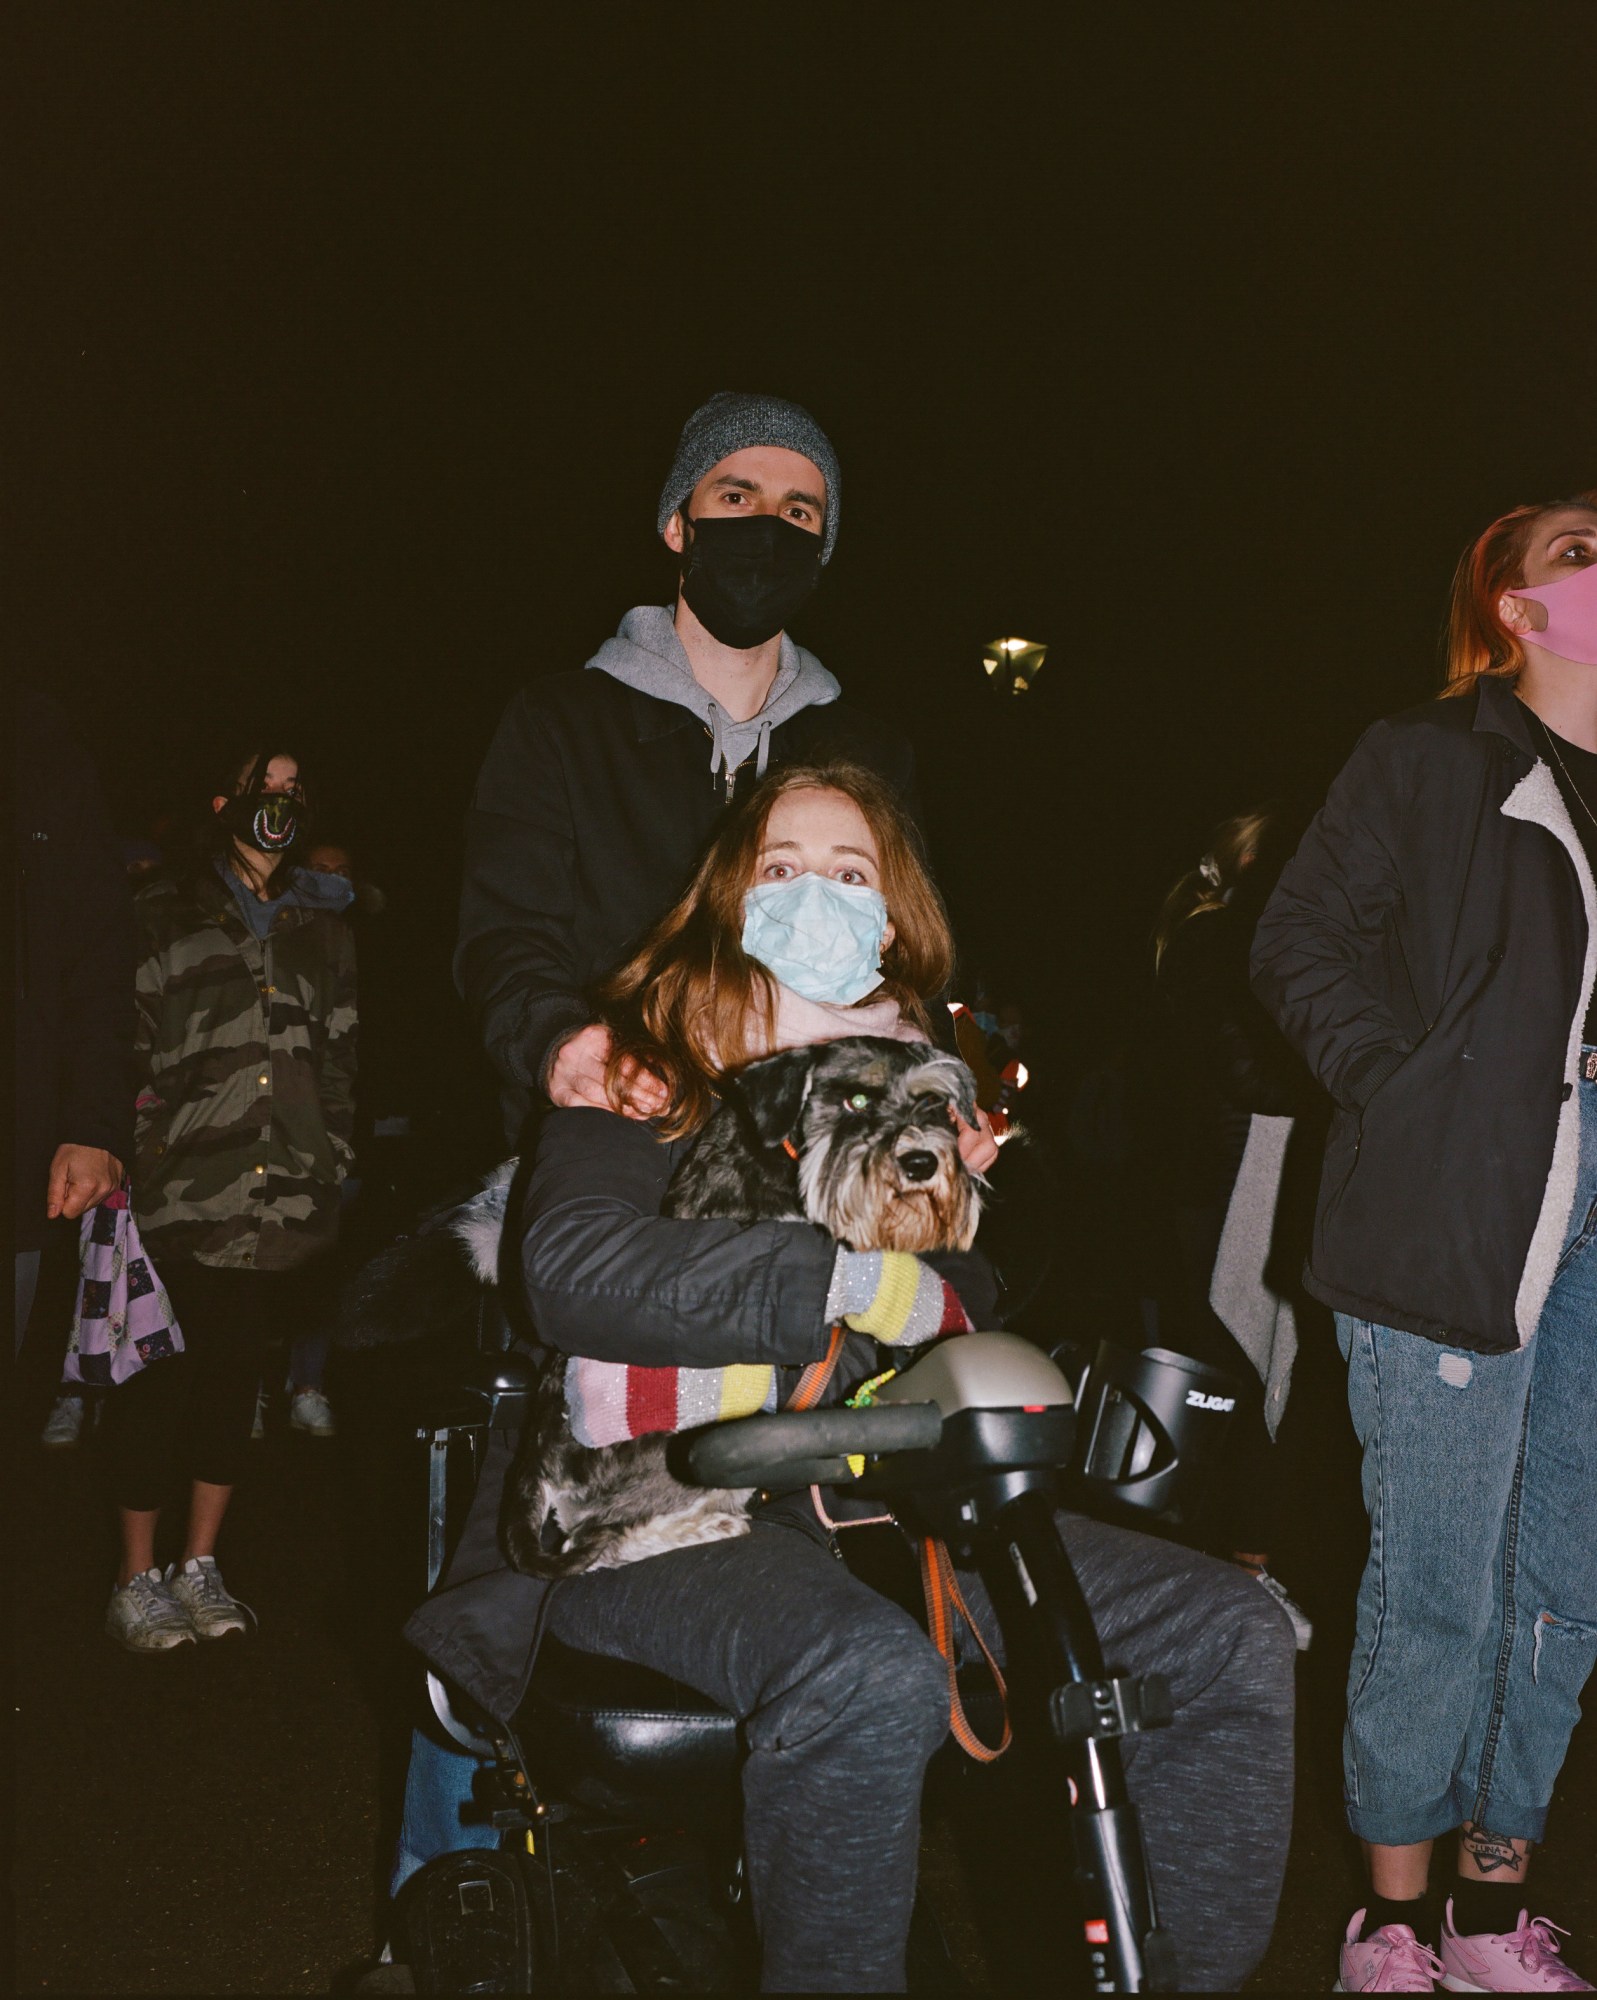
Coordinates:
[721,761]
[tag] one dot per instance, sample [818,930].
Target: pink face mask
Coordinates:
[1571,607]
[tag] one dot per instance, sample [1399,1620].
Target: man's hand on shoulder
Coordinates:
[80,1179]
[576,1077]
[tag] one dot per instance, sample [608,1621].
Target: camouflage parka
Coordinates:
[246,1063]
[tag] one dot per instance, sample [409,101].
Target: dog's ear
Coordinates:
[773,1092]
[965,1092]
[956,1078]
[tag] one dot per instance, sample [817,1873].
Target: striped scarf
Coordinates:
[611,1401]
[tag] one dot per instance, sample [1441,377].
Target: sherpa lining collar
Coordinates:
[1537,800]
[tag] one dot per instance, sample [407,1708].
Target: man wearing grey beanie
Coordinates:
[601,785]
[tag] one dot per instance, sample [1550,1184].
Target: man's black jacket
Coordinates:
[1429,949]
[590,810]
[74,963]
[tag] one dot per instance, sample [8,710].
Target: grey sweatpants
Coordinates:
[844,1699]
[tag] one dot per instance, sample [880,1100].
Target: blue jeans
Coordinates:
[438,1797]
[1477,1613]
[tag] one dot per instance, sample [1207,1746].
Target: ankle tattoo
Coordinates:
[1493,1853]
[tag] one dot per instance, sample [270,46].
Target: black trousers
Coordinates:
[190,1416]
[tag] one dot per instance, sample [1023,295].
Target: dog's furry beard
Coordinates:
[874,1161]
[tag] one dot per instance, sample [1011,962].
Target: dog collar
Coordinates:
[790,1149]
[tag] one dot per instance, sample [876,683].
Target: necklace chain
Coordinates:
[1552,745]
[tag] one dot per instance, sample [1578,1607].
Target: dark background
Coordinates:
[1194,341]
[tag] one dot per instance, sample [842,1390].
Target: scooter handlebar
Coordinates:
[759,1451]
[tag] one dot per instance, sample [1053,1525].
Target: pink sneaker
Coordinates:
[1525,1960]
[1393,1961]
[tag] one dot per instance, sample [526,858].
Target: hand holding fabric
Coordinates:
[80,1179]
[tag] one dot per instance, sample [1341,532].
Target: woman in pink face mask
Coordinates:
[1432,952]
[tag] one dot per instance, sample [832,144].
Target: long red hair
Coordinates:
[691,1003]
[1479,644]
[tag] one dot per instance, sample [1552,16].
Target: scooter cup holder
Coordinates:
[1148,1425]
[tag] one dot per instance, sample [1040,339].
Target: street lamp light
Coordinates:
[1013,664]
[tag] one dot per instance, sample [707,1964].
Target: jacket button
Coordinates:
[1497,953]
[260,1170]
[263,1078]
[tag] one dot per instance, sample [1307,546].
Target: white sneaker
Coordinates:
[64,1425]
[212,1609]
[258,1428]
[144,1616]
[1302,1630]
[310,1411]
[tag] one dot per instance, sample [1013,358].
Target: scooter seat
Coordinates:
[619,1737]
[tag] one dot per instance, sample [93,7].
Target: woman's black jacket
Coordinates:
[1430,949]
[606,1275]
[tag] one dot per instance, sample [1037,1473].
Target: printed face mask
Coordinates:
[1571,607]
[745,578]
[822,938]
[269,821]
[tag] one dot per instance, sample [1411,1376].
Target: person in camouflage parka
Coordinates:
[246,1053]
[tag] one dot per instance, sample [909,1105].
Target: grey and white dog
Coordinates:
[854,1136]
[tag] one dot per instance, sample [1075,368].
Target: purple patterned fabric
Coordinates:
[123,1318]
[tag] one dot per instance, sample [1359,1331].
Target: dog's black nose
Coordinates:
[917,1166]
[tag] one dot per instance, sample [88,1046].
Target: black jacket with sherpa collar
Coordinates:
[590,811]
[1430,949]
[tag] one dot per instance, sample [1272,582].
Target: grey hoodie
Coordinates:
[646,654]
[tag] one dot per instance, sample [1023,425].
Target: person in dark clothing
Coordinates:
[1225,1063]
[1432,951]
[601,786]
[843,1698]
[73,986]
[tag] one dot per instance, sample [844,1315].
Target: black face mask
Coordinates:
[270,821]
[744,578]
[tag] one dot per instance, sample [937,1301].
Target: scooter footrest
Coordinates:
[1110,1708]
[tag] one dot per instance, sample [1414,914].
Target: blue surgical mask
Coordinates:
[822,938]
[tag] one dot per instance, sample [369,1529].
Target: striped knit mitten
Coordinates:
[894,1297]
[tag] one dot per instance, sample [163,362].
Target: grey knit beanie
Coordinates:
[731,422]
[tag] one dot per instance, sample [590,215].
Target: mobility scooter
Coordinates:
[613,1791]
